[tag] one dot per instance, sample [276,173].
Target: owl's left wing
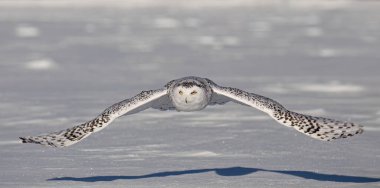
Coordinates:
[315,127]
[146,99]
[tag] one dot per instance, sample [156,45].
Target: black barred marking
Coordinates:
[189,84]
[78,132]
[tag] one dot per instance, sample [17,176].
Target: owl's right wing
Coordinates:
[316,127]
[147,99]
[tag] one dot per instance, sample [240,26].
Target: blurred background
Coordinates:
[62,62]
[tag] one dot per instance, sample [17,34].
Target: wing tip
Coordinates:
[36,140]
[360,129]
[352,131]
[23,139]
[28,140]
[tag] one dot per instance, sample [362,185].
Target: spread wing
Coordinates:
[154,98]
[316,127]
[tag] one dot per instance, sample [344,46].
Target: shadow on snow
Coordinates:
[232,171]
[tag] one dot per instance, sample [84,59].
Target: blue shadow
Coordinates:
[232,171]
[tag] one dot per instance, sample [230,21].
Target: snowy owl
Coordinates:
[192,94]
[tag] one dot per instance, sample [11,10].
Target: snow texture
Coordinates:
[62,64]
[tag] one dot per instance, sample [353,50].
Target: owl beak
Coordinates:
[186,100]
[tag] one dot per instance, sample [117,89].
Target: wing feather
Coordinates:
[140,102]
[315,127]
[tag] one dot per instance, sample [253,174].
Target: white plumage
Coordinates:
[192,94]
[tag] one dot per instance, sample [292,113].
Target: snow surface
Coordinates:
[62,65]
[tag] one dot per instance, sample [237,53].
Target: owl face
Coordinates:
[189,96]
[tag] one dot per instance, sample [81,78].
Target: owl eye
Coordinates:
[180,92]
[194,92]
